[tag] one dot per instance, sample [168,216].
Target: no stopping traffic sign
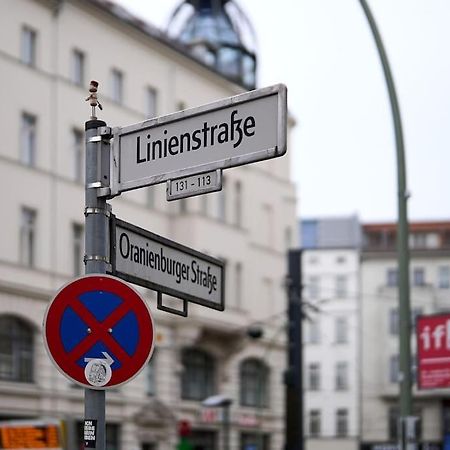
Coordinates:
[98,331]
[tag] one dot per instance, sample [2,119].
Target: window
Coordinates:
[28,140]
[394,369]
[314,376]
[415,313]
[238,204]
[393,321]
[418,240]
[238,283]
[16,350]
[117,85]
[341,286]
[393,419]
[150,102]
[341,330]
[151,376]
[77,69]
[27,236]
[254,381]
[392,277]
[78,249]
[313,260]
[198,377]
[419,276]
[313,287]
[78,155]
[222,203]
[341,376]
[28,46]
[314,332]
[444,277]
[342,422]
[314,422]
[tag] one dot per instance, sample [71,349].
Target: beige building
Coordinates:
[429,294]
[49,50]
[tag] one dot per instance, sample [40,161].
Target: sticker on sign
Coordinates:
[149,260]
[231,132]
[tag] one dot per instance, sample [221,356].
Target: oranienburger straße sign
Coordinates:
[234,131]
[152,261]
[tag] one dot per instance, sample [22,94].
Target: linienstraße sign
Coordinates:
[151,261]
[231,132]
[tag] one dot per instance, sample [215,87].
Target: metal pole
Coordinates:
[402,233]
[96,228]
[294,375]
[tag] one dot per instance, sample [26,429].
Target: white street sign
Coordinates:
[149,260]
[201,183]
[231,132]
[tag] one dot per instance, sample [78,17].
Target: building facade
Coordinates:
[330,260]
[49,50]
[429,293]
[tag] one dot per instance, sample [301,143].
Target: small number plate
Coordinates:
[201,183]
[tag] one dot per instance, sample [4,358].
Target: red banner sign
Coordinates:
[433,351]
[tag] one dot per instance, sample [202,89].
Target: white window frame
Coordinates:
[78,66]
[78,155]
[314,380]
[315,422]
[341,286]
[342,422]
[341,330]
[28,46]
[78,249]
[444,277]
[117,85]
[28,136]
[28,236]
[151,102]
[341,374]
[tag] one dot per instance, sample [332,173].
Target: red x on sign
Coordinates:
[98,331]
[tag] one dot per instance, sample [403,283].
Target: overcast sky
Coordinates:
[343,147]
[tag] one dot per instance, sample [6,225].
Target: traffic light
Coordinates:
[184,430]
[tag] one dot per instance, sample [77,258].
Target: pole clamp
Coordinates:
[91,210]
[95,258]
[94,185]
[105,134]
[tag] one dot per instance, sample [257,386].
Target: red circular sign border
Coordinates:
[85,284]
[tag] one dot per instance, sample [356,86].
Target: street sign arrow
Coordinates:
[107,359]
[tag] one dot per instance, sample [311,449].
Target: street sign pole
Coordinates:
[96,258]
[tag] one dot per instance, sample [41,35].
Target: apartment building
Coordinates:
[429,293]
[330,259]
[49,50]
